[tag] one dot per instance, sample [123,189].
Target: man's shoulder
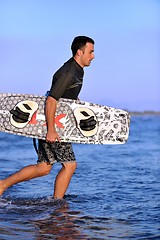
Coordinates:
[70,67]
[69,62]
[66,65]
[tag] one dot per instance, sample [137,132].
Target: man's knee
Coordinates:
[70,166]
[44,168]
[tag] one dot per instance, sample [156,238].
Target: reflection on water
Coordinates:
[45,218]
[61,223]
[39,219]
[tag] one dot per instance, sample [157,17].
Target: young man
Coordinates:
[66,83]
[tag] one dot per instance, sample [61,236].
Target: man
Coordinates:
[66,83]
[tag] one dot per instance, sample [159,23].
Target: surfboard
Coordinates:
[75,121]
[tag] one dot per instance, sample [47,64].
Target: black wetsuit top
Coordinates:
[67,81]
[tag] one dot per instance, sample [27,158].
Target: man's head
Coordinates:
[83,50]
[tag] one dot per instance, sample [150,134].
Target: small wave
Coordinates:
[4,202]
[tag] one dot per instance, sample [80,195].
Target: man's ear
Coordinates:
[79,52]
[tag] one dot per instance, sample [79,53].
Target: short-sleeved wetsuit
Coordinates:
[66,83]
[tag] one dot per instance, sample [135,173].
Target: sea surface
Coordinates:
[114,193]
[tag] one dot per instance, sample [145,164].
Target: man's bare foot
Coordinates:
[2,188]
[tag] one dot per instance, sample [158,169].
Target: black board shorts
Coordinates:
[55,152]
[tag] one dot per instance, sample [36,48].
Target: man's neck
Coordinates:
[78,61]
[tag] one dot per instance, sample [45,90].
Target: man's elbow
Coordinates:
[51,101]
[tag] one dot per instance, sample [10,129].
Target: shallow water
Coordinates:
[114,193]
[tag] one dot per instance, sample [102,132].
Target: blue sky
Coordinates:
[35,39]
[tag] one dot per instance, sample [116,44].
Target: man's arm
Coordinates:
[51,105]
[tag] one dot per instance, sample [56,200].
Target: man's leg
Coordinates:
[25,174]
[63,179]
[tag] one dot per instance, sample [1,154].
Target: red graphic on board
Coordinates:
[33,119]
[57,119]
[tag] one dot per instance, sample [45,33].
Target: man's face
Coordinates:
[87,54]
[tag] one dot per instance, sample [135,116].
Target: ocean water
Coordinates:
[114,193]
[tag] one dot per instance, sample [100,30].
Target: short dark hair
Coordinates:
[79,42]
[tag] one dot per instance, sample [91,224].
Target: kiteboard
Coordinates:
[75,121]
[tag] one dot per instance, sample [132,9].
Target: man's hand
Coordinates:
[51,137]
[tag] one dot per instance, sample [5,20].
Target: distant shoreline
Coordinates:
[144,113]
